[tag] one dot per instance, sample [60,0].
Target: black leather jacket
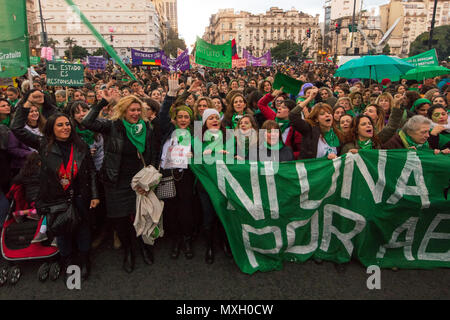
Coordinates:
[114,134]
[51,192]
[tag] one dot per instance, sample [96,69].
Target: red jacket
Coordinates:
[294,138]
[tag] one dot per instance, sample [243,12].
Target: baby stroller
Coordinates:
[21,226]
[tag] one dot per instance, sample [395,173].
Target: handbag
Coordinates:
[63,218]
[166,188]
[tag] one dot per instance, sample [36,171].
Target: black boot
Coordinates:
[176,247]
[85,265]
[128,260]
[209,255]
[187,248]
[147,252]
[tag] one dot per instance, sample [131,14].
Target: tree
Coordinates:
[288,49]
[77,53]
[52,43]
[173,43]
[387,50]
[70,42]
[440,42]
[101,52]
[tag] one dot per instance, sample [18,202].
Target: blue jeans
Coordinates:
[82,236]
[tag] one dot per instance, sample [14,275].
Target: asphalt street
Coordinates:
[184,279]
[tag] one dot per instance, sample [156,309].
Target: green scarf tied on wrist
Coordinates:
[331,138]
[136,133]
[284,124]
[408,142]
[86,135]
[365,145]
[6,121]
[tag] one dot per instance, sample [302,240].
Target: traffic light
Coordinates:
[112,38]
[308,33]
[338,27]
[353,29]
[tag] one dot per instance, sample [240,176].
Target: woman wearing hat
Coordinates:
[176,122]
[421,107]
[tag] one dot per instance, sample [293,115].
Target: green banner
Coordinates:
[65,74]
[213,56]
[385,208]
[35,60]
[428,58]
[14,51]
[289,85]
[100,39]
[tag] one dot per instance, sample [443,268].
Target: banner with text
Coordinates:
[181,63]
[385,208]
[213,56]
[14,52]
[142,58]
[239,63]
[97,63]
[263,61]
[428,58]
[65,74]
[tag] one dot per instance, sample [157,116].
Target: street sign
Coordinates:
[65,74]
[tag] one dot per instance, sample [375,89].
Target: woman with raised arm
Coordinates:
[130,144]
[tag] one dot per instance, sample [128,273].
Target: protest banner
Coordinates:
[181,63]
[142,58]
[65,74]
[239,63]
[289,85]
[97,63]
[14,48]
[35,60]
[428,58]
[263,61]
[384,208]
[213,56]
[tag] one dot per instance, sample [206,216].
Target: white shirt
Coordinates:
[323,149]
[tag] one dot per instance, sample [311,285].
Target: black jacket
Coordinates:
[5,172]
[114,134]
[51,192]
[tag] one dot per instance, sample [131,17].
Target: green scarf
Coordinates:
[213,140]
[235,119]
[365,145]
[183,136]
[408,142]
[7,121]
[86,135]
[60,105]
[136,133]
[332,139]
[284,124]
[278,146]
[351,112]
[13,103]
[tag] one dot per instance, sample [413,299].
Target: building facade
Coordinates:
[260,32]
[123,24]
[415,19]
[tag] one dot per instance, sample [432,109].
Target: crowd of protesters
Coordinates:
[93,139]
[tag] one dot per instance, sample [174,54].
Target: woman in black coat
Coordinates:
[66,167]
[129,143]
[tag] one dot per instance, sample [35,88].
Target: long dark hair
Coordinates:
[49,132]
[354,131]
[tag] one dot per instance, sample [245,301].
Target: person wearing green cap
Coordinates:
[421,107]
[179,220]
[129,139]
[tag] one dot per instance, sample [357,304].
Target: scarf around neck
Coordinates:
[365,145]
[277,146]
[331,138]
[136,133]
[6,121]
[86,135]
[408,142]
[284,124]
[235,119]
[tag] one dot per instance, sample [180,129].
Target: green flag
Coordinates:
[290,85]
[384,208]
[427,58]
[213,56]
[14,50]
[99,37]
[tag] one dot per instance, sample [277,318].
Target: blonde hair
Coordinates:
[386,95]
[338,102]
[208,102]
[122,106]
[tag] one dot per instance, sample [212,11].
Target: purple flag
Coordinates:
[179,64]
[97,63]
[263,61]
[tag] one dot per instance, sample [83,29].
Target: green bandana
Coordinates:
[419,102]
[284,124]
[278,146]
[60,105]
[86,135]
[351,112]
[183,136]
[235,119]
[331,138]
[408,142]
[136,133]
[365,145]
[7,121]
[13,103]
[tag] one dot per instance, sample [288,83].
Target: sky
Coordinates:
[193,15]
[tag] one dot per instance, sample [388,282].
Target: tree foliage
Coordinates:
[288,49]
[387,50]
[173,43]
[101,52]
[440,42]
[77,52]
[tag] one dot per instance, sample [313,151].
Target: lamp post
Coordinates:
[44,33]
[433,20]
